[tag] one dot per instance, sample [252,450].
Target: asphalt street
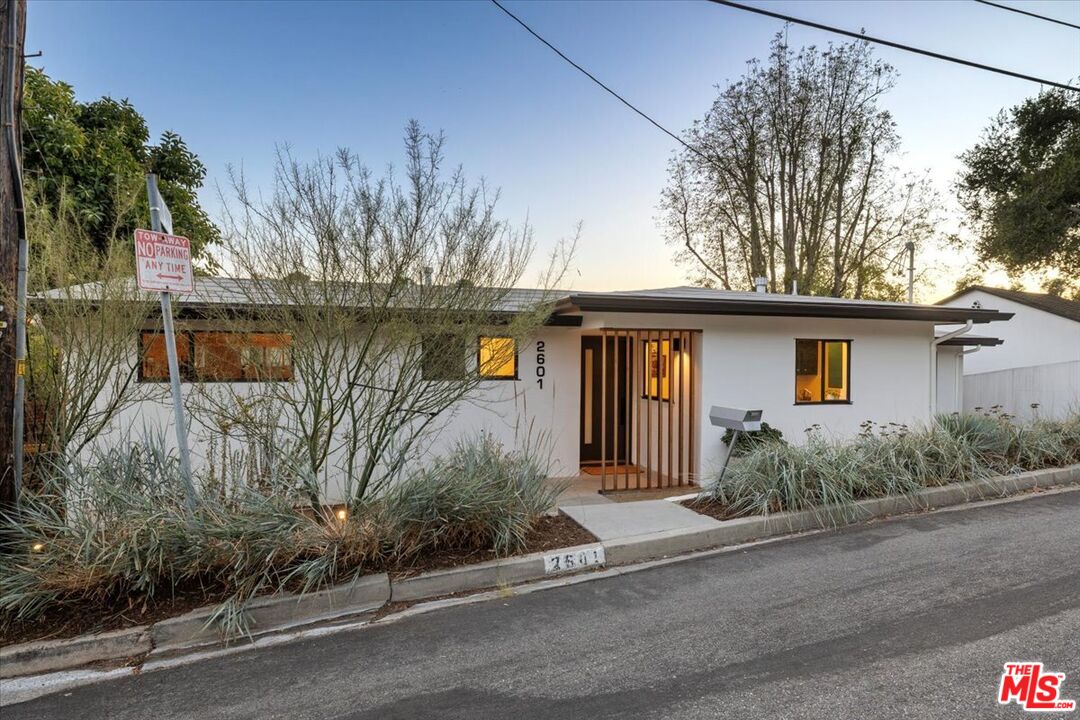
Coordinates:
[907,618]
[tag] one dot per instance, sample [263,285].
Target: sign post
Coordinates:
[163,263]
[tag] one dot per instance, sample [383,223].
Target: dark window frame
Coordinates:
[498,378]
[847,377]
[674,347]
[187,368]
[425,366]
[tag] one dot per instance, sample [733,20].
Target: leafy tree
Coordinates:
[795,179]
[1021,186]
[95,156]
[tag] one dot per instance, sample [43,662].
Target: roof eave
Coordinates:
[935,314]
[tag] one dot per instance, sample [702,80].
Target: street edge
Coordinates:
[29,670]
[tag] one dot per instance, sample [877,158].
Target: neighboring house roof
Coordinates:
[242,293]
[972,340]
[1069,309]
[707,301]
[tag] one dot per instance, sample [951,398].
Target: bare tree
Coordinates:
[794,179]
[85,316]
[382,287]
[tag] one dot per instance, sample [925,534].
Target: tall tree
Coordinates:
[1021,186]
[97,153]
[793,179]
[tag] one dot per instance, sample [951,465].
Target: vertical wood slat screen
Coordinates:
[656,446]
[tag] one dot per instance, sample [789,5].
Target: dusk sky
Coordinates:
[236,79]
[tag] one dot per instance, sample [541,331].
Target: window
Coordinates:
[497,358]
[657,368]
[822,371]
[242,357]
[216,356]
[155,360]
[443,357]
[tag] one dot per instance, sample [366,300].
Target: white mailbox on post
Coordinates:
[735,418]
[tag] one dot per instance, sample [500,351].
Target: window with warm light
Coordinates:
[219,356]
[657,368]
[822,371]
[497,358]
[155,362]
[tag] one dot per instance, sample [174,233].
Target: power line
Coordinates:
[1000,6]
[596,80]
[890,43]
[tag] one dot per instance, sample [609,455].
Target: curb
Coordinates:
[49,655]
[739,530]
[363,597]
[195,629]
[492,573]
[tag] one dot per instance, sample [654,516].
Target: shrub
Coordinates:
[749,440]
[828,475]
[119,536]
[477,496]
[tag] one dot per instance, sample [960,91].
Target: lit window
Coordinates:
[497,358]
[155,361]
[220,356]
[242,357]
[822,371]
[657,365]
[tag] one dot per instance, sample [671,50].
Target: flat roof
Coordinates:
[243,294]
[707,301]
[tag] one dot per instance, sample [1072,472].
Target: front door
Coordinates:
[604,406]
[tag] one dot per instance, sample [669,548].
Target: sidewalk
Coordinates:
[614,521]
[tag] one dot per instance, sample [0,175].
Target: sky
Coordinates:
[238,79]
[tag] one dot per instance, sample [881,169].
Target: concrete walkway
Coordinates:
[611,521]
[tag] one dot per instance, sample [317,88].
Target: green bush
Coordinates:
[114,533]
[477,496]
[749,440]
[829,476]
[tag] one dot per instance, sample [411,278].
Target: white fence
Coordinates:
[1055,387]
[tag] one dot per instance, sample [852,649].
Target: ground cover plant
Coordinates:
[113,533]
[829,475]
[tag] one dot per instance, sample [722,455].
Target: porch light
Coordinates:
[342,514]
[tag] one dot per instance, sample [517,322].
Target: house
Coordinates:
[621,383]
[1036,362]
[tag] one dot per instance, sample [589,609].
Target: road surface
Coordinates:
[909,618]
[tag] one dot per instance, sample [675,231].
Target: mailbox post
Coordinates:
[738,421]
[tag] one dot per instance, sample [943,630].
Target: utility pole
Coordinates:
[12,228]
[910,247]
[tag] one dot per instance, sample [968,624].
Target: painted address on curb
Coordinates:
[565,561]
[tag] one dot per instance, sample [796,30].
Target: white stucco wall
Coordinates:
[1032,336]
[739,361]
[515,412]
[750,362]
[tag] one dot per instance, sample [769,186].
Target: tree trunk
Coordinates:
[11,11]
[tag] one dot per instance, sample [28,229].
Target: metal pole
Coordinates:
[730,452]
[20,368]
[910,247]
[174,364]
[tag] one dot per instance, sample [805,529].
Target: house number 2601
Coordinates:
[540,371]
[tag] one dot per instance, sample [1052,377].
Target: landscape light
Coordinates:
[37,547]
[342,514]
